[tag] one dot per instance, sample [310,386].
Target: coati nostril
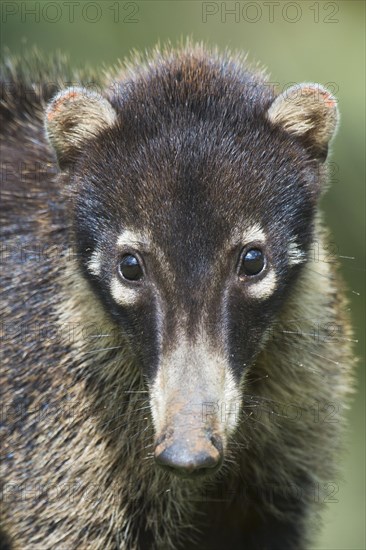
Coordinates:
[196,458]
[216,442]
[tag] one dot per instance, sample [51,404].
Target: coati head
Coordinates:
[195,189]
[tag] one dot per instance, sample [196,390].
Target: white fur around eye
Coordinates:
[123,294]
[263,288]
[130,238]
[254,233]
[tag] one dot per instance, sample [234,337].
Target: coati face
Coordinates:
[194,194]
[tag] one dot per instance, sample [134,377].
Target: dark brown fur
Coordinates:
[76,468]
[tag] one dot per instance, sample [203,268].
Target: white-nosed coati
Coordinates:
[176,357]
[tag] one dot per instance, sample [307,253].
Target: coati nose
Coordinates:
[187,459]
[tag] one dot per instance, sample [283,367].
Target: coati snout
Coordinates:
[185,394]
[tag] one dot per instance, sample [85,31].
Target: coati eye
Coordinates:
[252,262]
[130,268]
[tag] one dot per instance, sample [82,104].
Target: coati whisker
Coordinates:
[100,335]
[135,391]
[102,349]
[254,380]
[326,358]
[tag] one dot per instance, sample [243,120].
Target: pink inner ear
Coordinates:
[328,99]
[57,104]
[326,96]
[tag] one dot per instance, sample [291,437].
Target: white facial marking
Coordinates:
[130,238]
[263,288]
[254,233]
[295,254]
[266,286]
[122,294]
[95,263]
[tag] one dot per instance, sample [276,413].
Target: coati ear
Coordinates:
[309,112]
[73,117]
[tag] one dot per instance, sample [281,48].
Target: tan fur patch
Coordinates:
[74,116]
[306,109]
[195,380]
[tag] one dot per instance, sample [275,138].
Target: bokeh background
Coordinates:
[299,42]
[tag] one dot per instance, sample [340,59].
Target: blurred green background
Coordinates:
[298,42]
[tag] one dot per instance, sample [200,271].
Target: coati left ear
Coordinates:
[73,117]
[309,112]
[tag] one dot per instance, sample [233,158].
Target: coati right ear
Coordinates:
[309,112]
[73,117]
